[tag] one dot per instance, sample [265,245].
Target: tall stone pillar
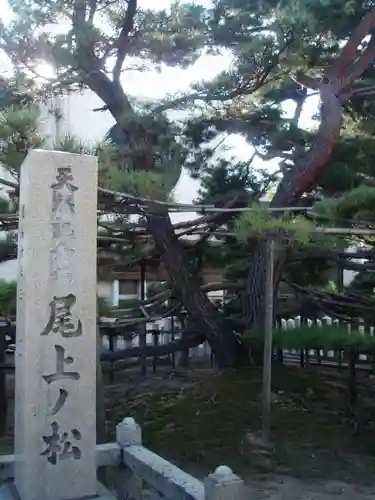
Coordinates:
[55,432]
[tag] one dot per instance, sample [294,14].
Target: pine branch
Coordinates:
[123,39]
[347,66]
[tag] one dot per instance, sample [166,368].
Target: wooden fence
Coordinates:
[328,357]
[203,352]
[155,338]
[114,340]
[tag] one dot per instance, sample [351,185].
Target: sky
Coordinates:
[153,84]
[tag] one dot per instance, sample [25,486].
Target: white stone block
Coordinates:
[223,485]
[128,433]
[55,433]
[129,484]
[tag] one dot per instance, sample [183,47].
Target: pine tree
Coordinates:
[279,50]
[296,55]
[90,56]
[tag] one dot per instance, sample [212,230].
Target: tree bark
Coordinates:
[198,306]
[335,89]
[289,191]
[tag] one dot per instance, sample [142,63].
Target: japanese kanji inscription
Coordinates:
[59,447]
[55,409]
[60,373]
[60,319]
[63,210]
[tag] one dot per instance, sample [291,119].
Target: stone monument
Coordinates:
[55,429]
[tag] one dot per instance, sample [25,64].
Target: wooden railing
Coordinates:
[140,471]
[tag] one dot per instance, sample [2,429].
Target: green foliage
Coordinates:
[304,36]
[156,288]
[8,298]
[168,155]
[111,174]
[309,270]
[15,92]
[128,303]
[19,132]
[258,221]
[171,38]
[84,54]
[136,183]
[223,180]
[103,307]
[159,37]
[73,144]
[353,160]
[5,205]
[270,42]
[363,283]
[312,34]
[325,337]
[356,205]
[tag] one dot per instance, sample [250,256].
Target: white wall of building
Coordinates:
[105,290]
[348,276]
[78,119]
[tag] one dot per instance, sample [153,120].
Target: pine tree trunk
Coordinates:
[293,185]
[198,306]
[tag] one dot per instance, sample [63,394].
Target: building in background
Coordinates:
[73,114]
[70,114]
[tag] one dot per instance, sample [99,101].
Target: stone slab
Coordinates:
[55,407]
[107,454]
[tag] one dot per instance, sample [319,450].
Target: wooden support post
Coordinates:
[155,338]
[267,353]
[143,332]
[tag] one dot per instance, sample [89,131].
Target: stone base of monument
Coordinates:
[8,491]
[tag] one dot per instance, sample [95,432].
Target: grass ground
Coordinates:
[201,419]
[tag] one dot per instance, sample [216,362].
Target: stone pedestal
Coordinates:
[8,491]
[55,406]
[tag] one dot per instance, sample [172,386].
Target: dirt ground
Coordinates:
[199,419]
[288,488]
